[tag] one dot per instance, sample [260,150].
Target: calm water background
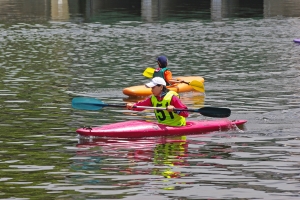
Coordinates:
[52,51]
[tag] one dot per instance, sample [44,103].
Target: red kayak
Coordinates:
[140,128]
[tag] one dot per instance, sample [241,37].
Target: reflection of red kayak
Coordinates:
[139,128]
[164,152]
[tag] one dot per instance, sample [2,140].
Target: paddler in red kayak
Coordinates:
[164,72]
[163,97]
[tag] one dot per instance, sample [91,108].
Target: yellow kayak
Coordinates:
[192,83]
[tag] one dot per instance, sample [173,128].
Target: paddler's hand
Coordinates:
[180,81]
[170,108]
[129,106]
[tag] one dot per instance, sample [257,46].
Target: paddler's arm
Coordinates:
[176,103]
[146,102]
[169,78]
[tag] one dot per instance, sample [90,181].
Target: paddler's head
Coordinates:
[157,85]
[162,61]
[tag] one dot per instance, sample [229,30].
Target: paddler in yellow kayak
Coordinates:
[164,72]
[163,97]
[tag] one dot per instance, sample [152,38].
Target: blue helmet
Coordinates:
[163,61]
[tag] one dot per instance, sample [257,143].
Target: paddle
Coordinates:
[149,72]
[87,103]
[196,85]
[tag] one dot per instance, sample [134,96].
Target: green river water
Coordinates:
[52,51]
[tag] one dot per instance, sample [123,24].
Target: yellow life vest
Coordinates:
[165,117]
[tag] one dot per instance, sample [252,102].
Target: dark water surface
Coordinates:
[52,51]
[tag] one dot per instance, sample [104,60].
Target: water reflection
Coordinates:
[152,163]
[145,10]
[250,66]
[163,153]
[24,10]
[163,157]
[236,8]
[60,10]
[285,8]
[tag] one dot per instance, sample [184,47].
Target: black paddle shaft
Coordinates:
[210,111]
